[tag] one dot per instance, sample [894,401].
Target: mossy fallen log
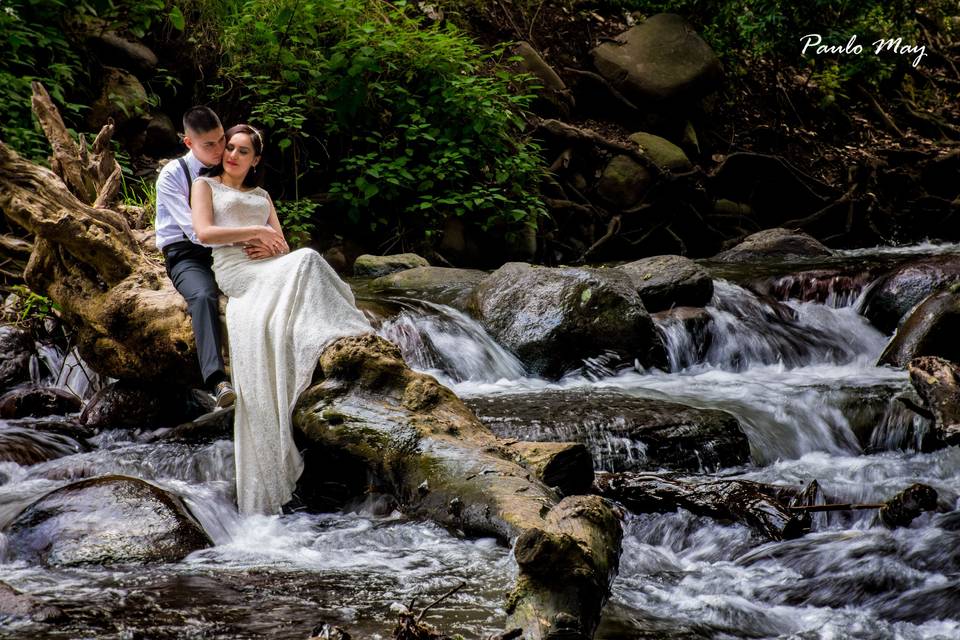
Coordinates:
[419,442]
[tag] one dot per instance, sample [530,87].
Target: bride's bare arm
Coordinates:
[201,204]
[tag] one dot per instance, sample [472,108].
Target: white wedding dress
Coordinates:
[281,313]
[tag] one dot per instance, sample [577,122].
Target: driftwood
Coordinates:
[776,512]
[937,382]
[129,320]
[416,440]
[752,503]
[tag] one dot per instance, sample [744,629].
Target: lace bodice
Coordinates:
[235,208]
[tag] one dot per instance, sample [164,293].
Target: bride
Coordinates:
[283,309]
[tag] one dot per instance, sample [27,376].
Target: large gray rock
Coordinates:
[662,58]
[623,433]
[669,281]
[125,404]
[106,520]
[160,136]
[931,330]
[554,318]
[663,152]
[452,287]
[889,301]
[774,244]
[623,182]
[375,266]
[16,347]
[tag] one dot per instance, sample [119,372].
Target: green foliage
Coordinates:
[43,40]
[420,121]
[297,216]
[33,47]
[32,307]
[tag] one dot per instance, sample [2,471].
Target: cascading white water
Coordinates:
[799,377]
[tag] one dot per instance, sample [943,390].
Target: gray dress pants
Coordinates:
[189,266]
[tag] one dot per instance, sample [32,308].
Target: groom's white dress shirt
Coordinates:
[174,220]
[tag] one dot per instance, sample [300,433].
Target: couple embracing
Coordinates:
[220,232]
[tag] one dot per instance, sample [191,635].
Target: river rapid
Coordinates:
[805,389]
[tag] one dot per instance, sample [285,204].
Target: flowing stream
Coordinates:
[799,376]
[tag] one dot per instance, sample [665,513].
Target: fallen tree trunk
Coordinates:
[129,320]
[752,503]
[419,442]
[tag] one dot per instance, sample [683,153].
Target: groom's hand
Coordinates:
[256,251]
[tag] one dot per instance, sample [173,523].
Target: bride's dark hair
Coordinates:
[254,177]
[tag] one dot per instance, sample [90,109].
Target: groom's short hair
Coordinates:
[200,120]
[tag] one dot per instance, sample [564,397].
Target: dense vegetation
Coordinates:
[394,122]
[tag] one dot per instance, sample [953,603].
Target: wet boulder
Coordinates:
[662,58]
[930,330]
[890,300]
[555,318]
[16,347]
[774,244]
[105,520]
[216,425]
[27,446]
[623,433]
[34,401]
[131,405]
[375,266]
[452,287]
[669,281]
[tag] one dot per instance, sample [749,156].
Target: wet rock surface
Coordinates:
[16,346]
[26,446]
[375,266]
[14,604]
[105,520]
[554,318]
[774,243]
[34,401]
[125,404]
[443,285]
[669,281]
[624,433]
[889,302]
[930,330]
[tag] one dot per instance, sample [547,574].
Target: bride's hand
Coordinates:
[270,239]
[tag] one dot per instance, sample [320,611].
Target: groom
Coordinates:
[189,262]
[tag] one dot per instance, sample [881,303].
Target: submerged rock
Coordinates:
[26,446]
[890,300]
[669,281]
[16,347]
[126,404]
[931,330]
[774,243]
[105,520]
[376,266]
[624,433]
[554,318]
[34,401]
[14,604]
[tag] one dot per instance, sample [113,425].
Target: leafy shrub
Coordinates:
[419,123]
